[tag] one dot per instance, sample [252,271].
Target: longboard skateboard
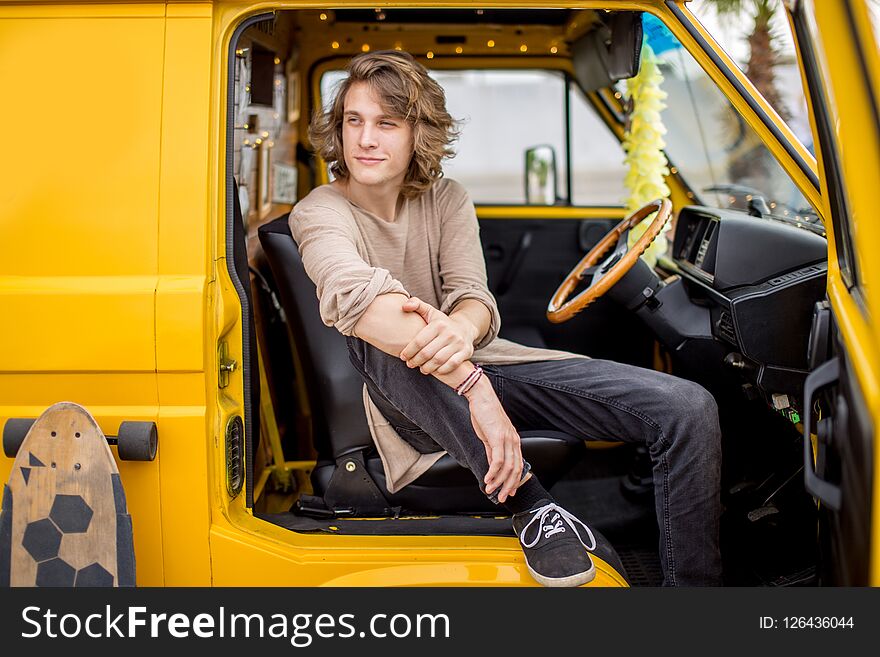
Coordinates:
[64,520]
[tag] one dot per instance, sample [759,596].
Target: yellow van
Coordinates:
[148,274]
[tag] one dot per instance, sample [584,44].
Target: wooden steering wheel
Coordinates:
[613,268]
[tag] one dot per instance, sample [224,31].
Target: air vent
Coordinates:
[725,327]
[234,451]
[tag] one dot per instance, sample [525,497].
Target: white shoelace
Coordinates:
[555,525]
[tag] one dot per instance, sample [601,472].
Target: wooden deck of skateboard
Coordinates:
[64,520]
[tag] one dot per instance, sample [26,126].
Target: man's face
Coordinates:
[377,146]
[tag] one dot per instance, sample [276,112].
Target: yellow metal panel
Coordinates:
[183,206]
[180,324]
[33,9]
[85,323]
[183,448]
[189,10]
[86,168]
[374,561]
[548,212]
[78,203]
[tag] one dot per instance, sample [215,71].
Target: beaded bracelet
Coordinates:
[470,381]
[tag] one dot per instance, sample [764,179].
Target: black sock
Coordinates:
[527,496]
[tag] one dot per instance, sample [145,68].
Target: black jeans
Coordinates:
[592,399]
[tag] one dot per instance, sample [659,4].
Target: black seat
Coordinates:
[349,474]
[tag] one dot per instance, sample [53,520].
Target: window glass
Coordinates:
[718,155]
[757,36]
[874,16]
[503,113]
[597,164]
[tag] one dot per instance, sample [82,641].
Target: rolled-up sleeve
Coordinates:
[462,267]
[346,284]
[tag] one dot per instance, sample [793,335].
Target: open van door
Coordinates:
[837,49]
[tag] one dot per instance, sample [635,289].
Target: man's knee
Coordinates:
[694,409]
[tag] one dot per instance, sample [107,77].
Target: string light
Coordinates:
[523,48]
[554,50]
[335,45]
[277,61]
[430,55]
[323,16]
[365,47]
[459,50]
[490,43]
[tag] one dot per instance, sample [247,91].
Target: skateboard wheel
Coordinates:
[137,441]
[14,431]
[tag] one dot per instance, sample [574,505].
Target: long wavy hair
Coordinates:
[405,90]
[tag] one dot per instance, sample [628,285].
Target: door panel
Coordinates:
[845,534]
[527,259]
[847,133]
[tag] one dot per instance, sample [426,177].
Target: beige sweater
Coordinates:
[432,251]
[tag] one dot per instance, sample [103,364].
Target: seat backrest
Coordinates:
[334,386]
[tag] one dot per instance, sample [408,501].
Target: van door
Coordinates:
[838,54]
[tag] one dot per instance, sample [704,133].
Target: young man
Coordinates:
[395,254]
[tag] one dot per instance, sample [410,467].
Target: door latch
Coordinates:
[226,365]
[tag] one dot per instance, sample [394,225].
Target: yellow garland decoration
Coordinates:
[643,144]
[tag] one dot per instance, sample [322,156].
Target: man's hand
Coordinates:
[499,437]
[444,344]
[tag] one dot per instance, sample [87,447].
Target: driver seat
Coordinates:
[348,479]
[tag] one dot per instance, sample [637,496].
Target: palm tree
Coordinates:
[762,54]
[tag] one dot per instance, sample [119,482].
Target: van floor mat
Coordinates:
[424,526]
[601,503]
[641,563]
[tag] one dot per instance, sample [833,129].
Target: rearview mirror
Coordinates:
[608,53]
[541,175]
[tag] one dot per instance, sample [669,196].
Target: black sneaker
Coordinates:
[555,553]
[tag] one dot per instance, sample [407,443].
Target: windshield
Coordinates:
[712,147]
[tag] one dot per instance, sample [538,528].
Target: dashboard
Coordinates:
[760,280]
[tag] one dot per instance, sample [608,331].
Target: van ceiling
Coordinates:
[456,16]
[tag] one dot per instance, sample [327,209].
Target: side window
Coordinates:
[503,114]
[597,164]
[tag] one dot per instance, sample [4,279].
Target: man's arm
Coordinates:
[475,314]
[385,326]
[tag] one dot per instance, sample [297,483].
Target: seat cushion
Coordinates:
[447,487]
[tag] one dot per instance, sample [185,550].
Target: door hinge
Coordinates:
[226,365]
